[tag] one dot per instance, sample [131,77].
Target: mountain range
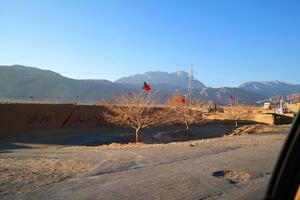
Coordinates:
[271,88]
[175,79]
[21,83]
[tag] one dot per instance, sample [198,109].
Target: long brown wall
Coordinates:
[29,117]
[16,118]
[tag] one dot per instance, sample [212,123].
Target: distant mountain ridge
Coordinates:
[270,88]
[19,82]
[177,79]
[221,95]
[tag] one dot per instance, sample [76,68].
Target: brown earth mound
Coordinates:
[250,129]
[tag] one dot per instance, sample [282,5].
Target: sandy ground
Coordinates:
[229,167]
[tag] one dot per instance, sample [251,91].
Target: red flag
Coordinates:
[147,87]
[183,101]
[232,97]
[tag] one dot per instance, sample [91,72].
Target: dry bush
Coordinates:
[175,100]
[135,110]
[239,112]
[182,113]
[234,113]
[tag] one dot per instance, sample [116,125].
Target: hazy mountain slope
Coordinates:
[167,83]
[19,82]
[222,95]
[294,97]
[219,95]
[176,79]
[270,88]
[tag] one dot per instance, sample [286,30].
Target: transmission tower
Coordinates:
[191,89]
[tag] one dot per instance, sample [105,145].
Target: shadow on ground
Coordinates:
[115,134]
[6,147]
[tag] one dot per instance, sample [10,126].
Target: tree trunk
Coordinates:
[187,130]
[137,135]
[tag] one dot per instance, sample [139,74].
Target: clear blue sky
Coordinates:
[228,42]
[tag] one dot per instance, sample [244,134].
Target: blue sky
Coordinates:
[227,41]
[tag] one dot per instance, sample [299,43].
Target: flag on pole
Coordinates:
[147,87]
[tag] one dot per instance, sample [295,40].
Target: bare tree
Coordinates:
[239,112]
[233,111]
[135,110]
[183,113]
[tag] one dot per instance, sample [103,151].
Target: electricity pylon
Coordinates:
[191,89]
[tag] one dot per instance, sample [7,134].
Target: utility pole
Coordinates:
[191,89]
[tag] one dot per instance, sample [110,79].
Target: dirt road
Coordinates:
[184,170]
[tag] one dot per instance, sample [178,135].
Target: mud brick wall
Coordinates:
[30,117]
